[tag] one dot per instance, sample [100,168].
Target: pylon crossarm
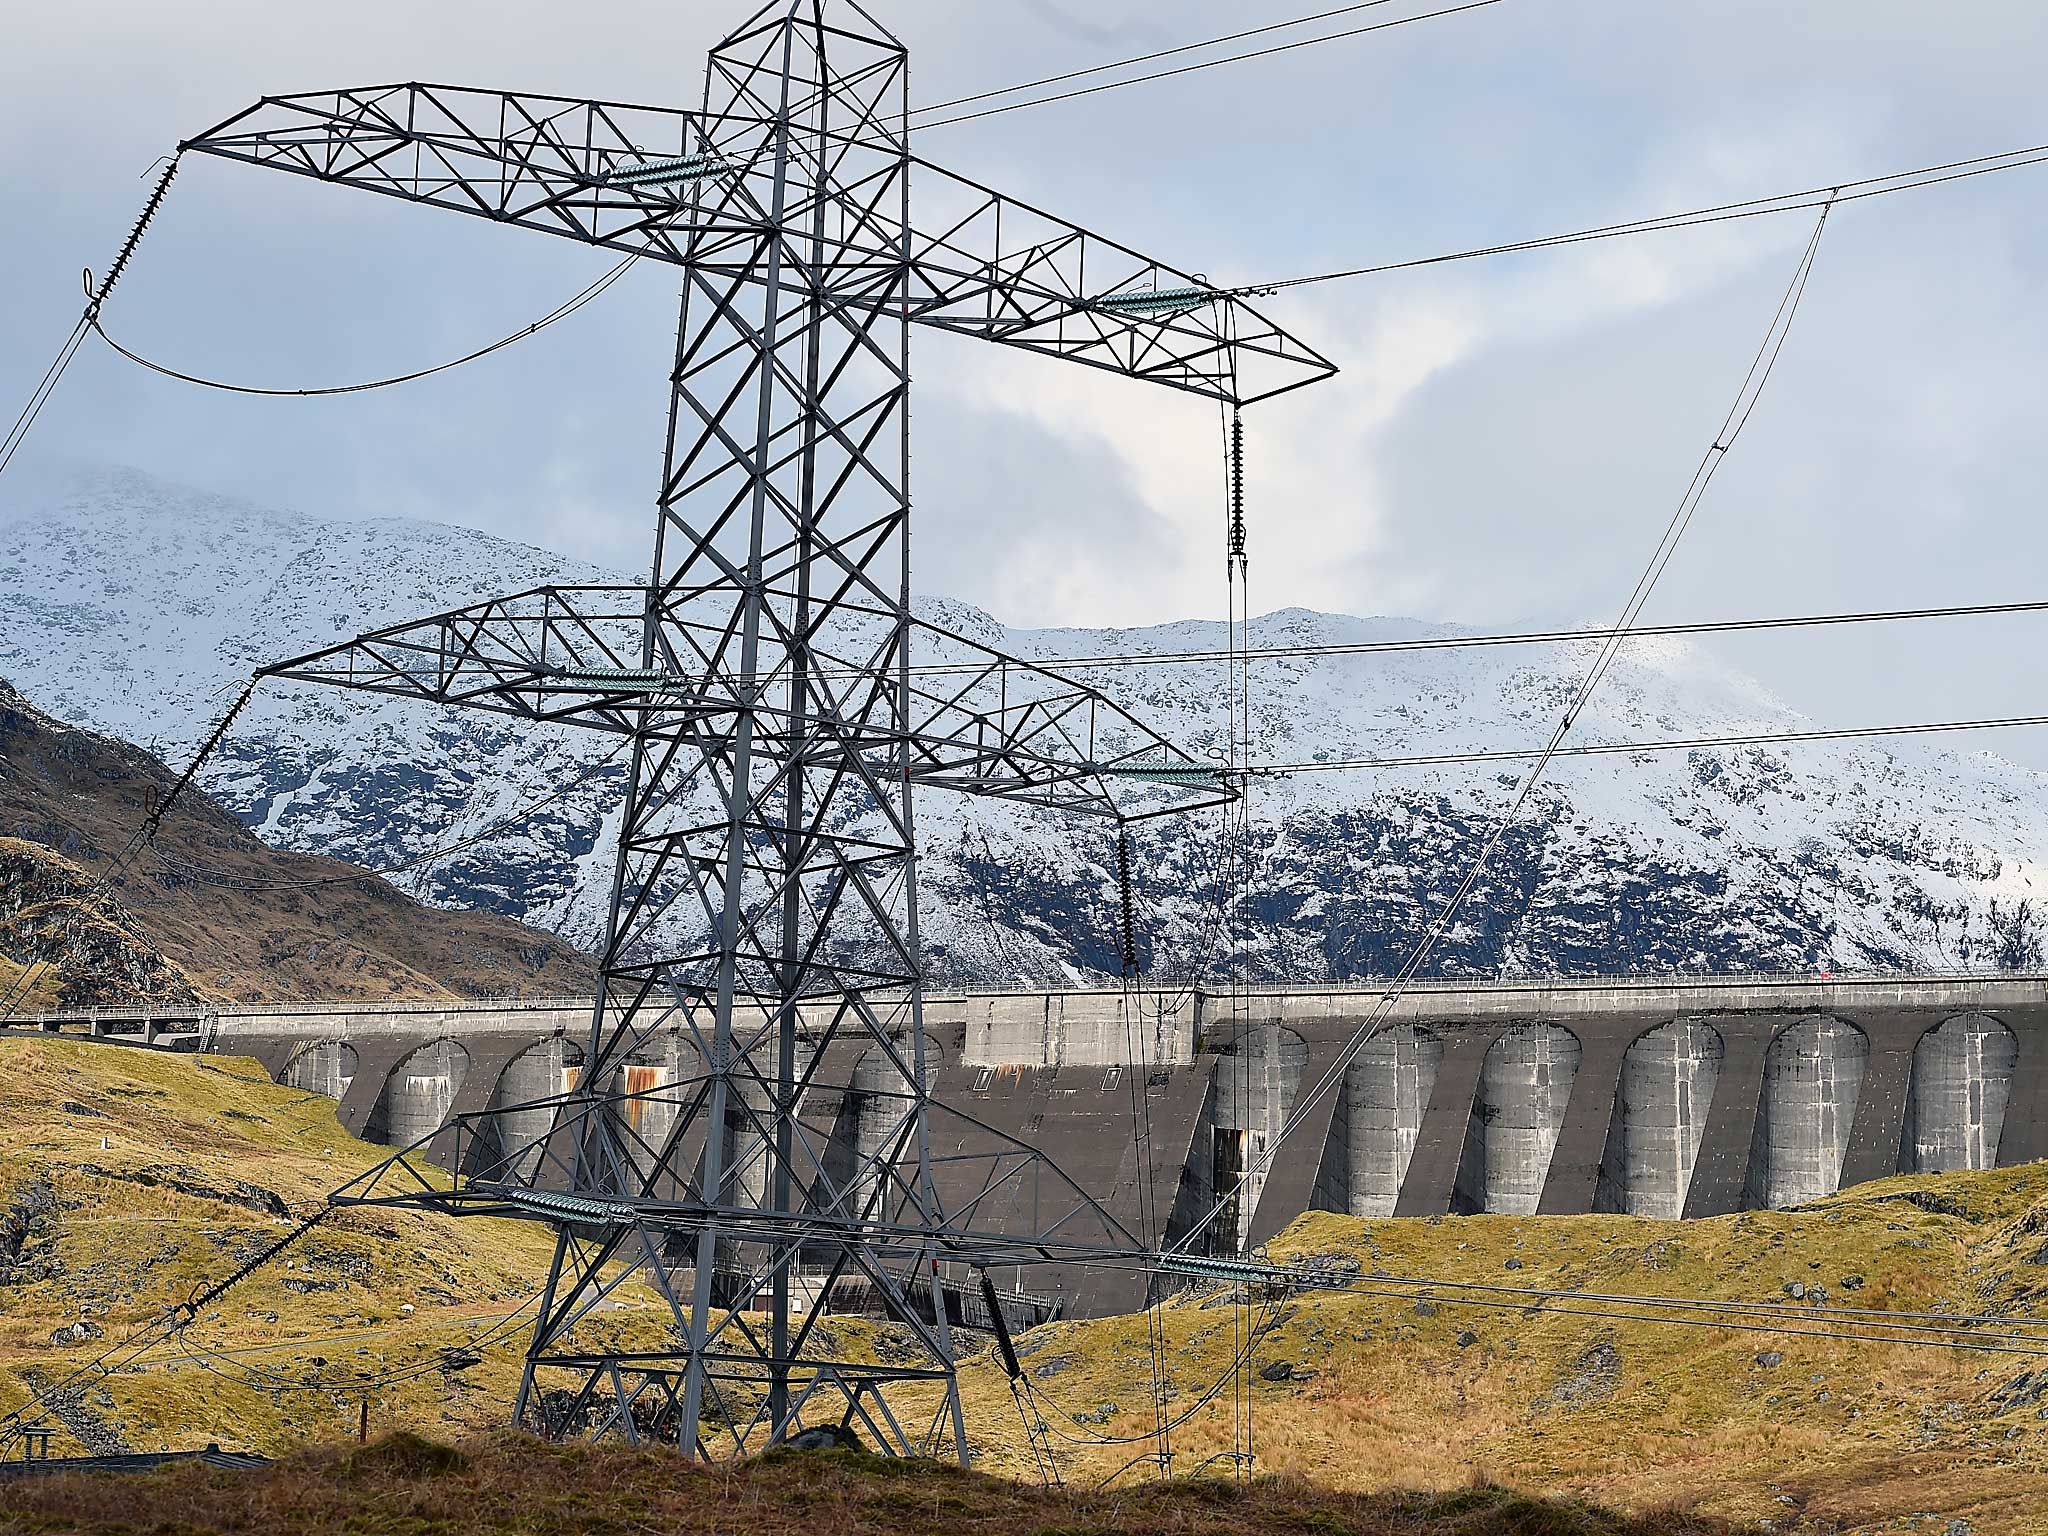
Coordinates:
[982,723]
[693,189]
[993,267]
[566,167]
[508,656]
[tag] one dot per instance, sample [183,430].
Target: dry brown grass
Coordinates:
[1837,1436]
[145,1156]
[1840,1434]
[408,1487]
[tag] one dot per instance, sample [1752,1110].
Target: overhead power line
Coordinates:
[40,396]
[1924,1326]
[1147,58]
[1874,1326]
[90,324]
[1189,69]
[1657,1311]
[1754,208]
[1862,1326]
[1856,190]
[1423,644]
[1511,638]
[88,908]
[1628,748]
[96,294]
[166,1324]
[1965,1323]
[232,1366]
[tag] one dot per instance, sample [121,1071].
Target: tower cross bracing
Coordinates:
[764,905]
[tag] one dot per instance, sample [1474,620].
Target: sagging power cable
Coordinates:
[1760,1316]
[1422,644]
[1753,208]
[560,312]
[1858,1325]
[1729,1324]
[1960,1333]
[1148,58]
[1847,191]
[166,1325]
[1243,1348]
[228,1365]
[133,1352]
[1957,1333]
[91,323]
[1951,1323]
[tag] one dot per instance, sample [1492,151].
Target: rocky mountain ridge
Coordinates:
[128,605]
[208,912]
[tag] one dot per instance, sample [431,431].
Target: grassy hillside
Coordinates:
[137,1177]
[1393,1388]
[132,1179]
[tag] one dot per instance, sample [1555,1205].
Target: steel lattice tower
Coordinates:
[765,902]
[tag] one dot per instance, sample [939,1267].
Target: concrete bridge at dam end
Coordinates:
[1665,1099]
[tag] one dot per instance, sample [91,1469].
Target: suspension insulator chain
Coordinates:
[187,1312]
[98,295]
[1130,925]
[162,809]
[1237,533]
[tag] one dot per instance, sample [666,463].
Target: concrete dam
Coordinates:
[1661,1099]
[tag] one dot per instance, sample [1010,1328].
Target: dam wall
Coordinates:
[1666,1099]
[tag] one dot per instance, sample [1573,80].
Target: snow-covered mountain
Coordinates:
[131,606]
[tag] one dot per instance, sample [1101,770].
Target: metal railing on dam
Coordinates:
[1663,1097]
[165,1014]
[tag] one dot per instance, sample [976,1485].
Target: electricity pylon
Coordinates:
[765,905]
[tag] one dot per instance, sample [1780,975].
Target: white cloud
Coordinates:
[1503,440]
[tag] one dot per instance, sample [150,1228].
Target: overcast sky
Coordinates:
[1503,447]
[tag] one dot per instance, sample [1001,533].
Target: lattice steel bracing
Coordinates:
[765,906]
